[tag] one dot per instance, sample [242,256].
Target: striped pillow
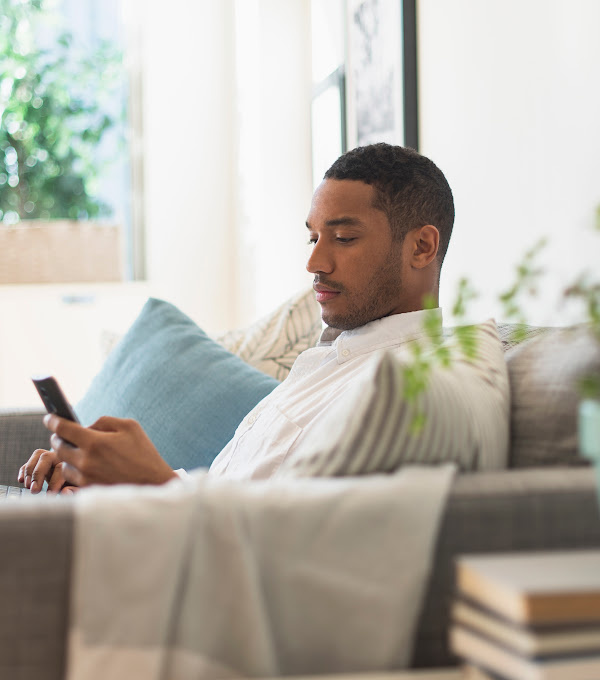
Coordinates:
[466,408]
[273,343]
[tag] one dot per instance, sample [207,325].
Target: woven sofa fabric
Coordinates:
[543,375]
[465,408]
[513,334]
[486,512]
[510,510]
[36,537]
[21,433]
[273,343]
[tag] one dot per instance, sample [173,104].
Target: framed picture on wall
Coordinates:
[375,88]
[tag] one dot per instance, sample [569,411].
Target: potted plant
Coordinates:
[433,352]
[589,385]
[586,289]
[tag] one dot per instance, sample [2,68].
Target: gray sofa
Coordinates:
[546,500]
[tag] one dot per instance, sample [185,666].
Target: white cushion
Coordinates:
[466,417]
[273,343]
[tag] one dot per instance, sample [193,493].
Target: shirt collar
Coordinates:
[389,331]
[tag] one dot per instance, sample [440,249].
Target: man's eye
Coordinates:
[311,241]
[341,239]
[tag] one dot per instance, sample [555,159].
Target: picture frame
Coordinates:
[381,73]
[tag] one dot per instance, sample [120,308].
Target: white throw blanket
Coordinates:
[211,578]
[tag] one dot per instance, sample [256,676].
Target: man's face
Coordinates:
[358,267]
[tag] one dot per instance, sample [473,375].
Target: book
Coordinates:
[528,640]
[472,672]
[483,653]
[534,587]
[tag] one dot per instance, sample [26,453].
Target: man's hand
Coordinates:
[111,451]
[44,466]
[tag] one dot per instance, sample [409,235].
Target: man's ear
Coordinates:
[425,242]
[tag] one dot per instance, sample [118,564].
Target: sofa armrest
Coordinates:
[35,570]
[21,432]
[533,509]
[552,508]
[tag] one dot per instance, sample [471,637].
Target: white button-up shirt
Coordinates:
[319,376]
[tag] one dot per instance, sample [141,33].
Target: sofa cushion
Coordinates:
[273,343]
[187,391]
[543,381]
[513,334]
[465,407]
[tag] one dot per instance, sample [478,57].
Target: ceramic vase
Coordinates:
[589,434]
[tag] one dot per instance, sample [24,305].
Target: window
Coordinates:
[329,90]
[66,196]
[63,151]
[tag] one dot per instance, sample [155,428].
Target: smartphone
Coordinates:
[53,397]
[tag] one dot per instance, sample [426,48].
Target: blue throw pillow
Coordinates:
[188,392]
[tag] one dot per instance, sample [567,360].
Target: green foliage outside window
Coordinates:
[53,115]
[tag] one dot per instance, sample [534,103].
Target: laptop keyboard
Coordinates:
[10,493]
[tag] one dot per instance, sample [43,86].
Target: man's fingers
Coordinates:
[57,479]
[42,471]
[67,430]
[72,476]
[26,471]
[70,461]
[110,424]
[65,452]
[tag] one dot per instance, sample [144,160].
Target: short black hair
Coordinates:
[409,188]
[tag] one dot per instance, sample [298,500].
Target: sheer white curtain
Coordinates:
[273,61]
[227,154]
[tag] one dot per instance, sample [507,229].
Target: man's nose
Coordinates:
[320,259]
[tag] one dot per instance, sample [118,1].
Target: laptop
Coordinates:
[9,493]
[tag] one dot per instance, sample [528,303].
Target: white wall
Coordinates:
[510,111]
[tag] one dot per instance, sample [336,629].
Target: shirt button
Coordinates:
[345,352]
[251,420]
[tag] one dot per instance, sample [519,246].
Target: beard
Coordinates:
[378,298]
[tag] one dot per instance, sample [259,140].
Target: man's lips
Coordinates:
[324,293]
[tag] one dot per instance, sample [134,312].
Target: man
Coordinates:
[379,225]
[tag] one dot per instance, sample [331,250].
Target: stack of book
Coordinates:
[528,616]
